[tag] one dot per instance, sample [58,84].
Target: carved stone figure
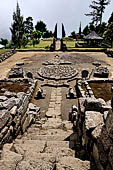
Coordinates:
[71,94]
[40,94]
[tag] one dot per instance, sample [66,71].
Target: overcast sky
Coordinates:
[69,12]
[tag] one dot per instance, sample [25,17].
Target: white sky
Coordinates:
[68,12]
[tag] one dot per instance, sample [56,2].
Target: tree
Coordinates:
[98,8]
[35,36]
[47,34]
[111,18]
[24,40]
[80,29]
[73,35]
[109,33]
[91,27]
[86,30]
[55,32]
[17,27]
[100,29]
[41,26]
[28,25]
[63,31]
[4,42]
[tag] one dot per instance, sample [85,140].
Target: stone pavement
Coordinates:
[54,109]
[58,45]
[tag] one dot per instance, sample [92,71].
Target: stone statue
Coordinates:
[73,114]
[71,94]
[40,94]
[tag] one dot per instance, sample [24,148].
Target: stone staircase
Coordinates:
[47,145]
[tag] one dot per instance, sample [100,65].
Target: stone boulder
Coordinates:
[93,119]
[4,117]
[33,107]
[93,104]
[109,123]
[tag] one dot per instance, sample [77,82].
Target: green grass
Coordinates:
[71,43]
[43,45]
[3,50]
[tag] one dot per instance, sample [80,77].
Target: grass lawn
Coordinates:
[3,50]
[43,45]
[71,43]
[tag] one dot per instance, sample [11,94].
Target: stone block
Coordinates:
[8,104]
[3,132]
[4,117]
[96,133]
[109,123]
[10,94]
[33,107]
[103,156]
[94,104]
[13,111]
[7,137]
[105,140]
[111,157]
[3,98]
[93,119]
[27,122]
[81,105]
[96,157]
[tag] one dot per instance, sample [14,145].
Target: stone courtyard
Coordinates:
[46,138]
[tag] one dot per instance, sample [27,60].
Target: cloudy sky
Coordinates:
[69,12]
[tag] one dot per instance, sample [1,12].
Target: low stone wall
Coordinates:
[94,127]
[6,55]
[83,88]
[16,114]
[84,92]
[109,52]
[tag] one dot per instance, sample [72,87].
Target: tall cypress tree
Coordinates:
[55,32]
[63,31]
[98,8]
[80,29]
[17,27]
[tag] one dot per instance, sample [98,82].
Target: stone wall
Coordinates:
[16,113]
[95,131]
[6,55]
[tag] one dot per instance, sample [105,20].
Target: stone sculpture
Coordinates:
[71,94]
[40,94]
[73,114]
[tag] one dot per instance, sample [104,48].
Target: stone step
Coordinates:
[53,123]
[60,144]
[71,163]
[48,133]
[34,155]
[55,148]
[46,137]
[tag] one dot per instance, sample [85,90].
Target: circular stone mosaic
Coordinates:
[57,72]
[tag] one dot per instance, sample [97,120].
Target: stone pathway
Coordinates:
[54,109]
[47,145]
[58,45]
